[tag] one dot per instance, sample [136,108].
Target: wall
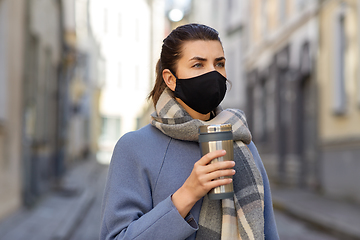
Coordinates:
[11,40]
[339,109]
[124,34]
[282,38]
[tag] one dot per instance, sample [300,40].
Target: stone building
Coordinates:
[126,32]
[87,80]
[338,80]
[282,88]
[303,93]
[30,56]
[42,56]
[84,83]
[38,99]
[11,75]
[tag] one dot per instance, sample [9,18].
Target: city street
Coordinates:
[89,227]
[290,228]
[78,217]
[70,213]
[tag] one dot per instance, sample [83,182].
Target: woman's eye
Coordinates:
[220,64]
[197,65]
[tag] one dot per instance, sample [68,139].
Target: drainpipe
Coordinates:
[61,78]
[358,37]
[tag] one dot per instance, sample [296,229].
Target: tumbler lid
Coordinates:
[215,128]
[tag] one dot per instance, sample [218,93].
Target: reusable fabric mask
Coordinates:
[202,93]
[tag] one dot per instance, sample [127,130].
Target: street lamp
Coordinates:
[176,15]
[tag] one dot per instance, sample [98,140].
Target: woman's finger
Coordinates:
[218,174]
[218,166]
[219,182]
[210,156]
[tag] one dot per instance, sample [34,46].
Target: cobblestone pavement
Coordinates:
[58,214]
[76,216]
[290,228]
[340,218]
[89,228]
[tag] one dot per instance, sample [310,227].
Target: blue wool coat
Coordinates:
[147,167]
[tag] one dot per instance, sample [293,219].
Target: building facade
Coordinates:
[125,35]
[282,88]
[87,79]
[42,56]
[303,103]
[339,94]
[11,73]
[38,99]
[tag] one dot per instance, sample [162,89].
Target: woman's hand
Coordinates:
[202,180]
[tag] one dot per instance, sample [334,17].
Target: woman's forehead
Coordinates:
[202,48]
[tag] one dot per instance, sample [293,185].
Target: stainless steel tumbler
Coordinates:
[217,137]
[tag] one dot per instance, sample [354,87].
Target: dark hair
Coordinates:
[171,51]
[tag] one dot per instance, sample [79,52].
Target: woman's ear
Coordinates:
[169,79]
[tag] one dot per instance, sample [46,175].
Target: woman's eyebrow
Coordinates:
[198,59]
[219,59]
[204,59]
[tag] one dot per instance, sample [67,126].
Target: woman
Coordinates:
[158,181]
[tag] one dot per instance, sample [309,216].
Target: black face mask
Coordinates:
[202,93]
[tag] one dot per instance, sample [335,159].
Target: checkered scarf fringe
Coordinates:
[243,216]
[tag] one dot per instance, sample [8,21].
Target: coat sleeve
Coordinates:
[270,228]
[128,211]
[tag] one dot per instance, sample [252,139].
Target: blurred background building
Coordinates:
[282,88]
[127,32]
[74,77]
[302,93]
[47,92]
[338,79]
[11,104]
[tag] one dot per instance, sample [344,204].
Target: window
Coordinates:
[102,71]
[264,18]
[3,68]
[42,96]
[105,21]
[300,5]
[136,29]
[119,25]
[137,78]
[259,111]
[282,11]
[110,128]
[119,83]
[339,102]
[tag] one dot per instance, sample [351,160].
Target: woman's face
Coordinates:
[199,57]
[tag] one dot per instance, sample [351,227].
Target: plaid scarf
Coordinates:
[243,216]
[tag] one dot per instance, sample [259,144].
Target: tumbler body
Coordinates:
[217,137]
